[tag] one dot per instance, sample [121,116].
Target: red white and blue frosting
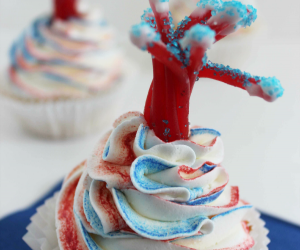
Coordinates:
[57,58]
[137,192]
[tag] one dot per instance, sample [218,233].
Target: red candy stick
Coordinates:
[65,9]
[179,61]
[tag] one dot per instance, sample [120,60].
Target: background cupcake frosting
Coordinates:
[56,58]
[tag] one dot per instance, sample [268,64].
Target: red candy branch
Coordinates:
[65,9]
[179,60]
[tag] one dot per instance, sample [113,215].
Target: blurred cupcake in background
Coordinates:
[67,73]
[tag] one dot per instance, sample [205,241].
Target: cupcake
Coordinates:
[153,182]
[67,73]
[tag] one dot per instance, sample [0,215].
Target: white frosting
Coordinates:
[73,58]
[151,194]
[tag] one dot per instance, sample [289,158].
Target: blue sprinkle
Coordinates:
[230,12]
[271,86]
[167,131]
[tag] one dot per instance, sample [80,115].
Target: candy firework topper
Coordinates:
[179,60]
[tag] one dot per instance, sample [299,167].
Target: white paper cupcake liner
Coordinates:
[259,232]
[71,117]
[41,233]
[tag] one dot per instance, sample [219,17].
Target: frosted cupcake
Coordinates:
[66,72]
[153,182]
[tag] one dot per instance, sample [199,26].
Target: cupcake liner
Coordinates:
[64,118]
[41,233]
[259,232]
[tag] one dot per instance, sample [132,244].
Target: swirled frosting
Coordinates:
[137,192]
[56,58]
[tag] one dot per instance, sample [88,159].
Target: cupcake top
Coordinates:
[61,56]
[137,192]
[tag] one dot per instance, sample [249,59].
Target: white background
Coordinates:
[262,140]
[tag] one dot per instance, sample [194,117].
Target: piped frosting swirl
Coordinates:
[137,191]
[58,59]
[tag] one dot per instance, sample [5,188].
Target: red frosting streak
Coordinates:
[74,170]
[106,202]
[69,236]
[127,145]
[188,170]
[18,82]
[108,169]
[235,196]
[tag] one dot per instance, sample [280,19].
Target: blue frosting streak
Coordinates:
[106,149]
[91,244]
[205,200]
[147,164]
[91,215]
[141,136]
[159,230]
[207,168]
[195,192]
[95,221]
[201,131]
[13,54]
[34,30]
[231,211]
[220,215]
